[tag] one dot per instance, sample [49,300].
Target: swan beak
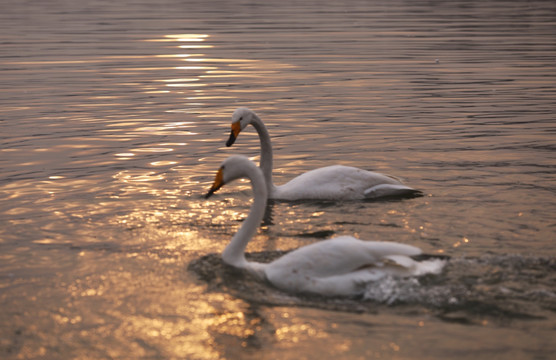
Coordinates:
[236,128]
[218,183]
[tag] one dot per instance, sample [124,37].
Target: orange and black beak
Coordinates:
[236,128]
[218,183]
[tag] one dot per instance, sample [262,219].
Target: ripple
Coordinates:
[466,291]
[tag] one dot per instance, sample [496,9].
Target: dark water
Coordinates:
[113,120]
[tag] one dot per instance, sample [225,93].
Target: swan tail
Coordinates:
[431,266]
[391,191]
[405,266]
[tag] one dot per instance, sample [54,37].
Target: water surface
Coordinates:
[113,121]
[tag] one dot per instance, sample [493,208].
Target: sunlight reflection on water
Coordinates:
[114,121]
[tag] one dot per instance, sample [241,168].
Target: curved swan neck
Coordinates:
[234,254]
[266,151]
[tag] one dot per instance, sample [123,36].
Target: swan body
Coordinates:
[335,182]
[339,182]
[339,266]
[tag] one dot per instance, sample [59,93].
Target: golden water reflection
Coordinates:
[182,37]
[203,78]
[111,148]
[194,84]
[212,67]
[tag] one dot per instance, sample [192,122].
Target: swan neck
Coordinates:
[266,151]
[234,254]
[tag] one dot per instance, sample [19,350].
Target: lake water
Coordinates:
[113,121]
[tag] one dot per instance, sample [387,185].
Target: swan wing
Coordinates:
[337,266]
[336,182]
[390,190]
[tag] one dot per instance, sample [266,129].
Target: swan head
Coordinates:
[234,167]
[240,119]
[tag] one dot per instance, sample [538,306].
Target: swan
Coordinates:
[339,266]
[336,182]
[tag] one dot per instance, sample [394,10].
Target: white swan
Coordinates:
[336,267]
[335,182]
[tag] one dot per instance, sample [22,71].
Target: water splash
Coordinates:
[467,290]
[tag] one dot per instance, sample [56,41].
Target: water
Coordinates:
[114,117]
